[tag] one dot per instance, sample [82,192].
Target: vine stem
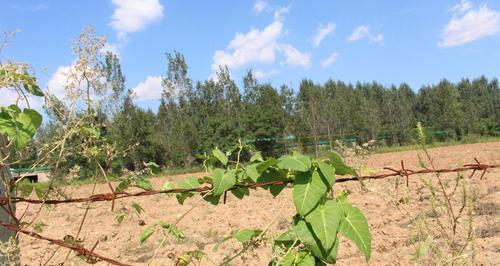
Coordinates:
[238,155]
[81,224]
[288,251]
[165,236]
[78,248]
[114,196]
[246,247]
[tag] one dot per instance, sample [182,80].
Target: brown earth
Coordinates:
[391,214]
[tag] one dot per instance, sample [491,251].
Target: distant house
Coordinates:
[34,175]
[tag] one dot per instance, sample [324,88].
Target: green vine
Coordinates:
[321,218]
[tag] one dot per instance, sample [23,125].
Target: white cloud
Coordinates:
[58,82]
[112,47]
[10,96]
[149,89]
[363,32]
[468,24]
[329,60]
[322,32]
[259,74]
[294,57]
[30,8]
[462,7]
[280,12]
[260,6]
[378,38]
[132,15]
[256,46]
[259,46]
[359,33]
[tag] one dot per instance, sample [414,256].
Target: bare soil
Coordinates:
[391,213]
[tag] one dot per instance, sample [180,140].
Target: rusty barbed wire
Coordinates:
[89,254]
[403,172]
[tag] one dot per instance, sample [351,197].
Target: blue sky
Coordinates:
[414,41]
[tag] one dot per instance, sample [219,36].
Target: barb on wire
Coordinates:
[82,251]
[119,195]
[90,255]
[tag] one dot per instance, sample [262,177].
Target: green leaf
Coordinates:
[220,156]
[328,171]
[273,174]
[423,249]
[92,130]
[297,162]
[167,186]
[183,260]
[71,240]
[240,192]
[354,226]
[304,259]
[245,235]
[325,220]
[146,233]
[120,217]
[340,167]
[138,208]
[153,168]
[196,254]
[19,126]
[263,166]
[188,183]
[223,181]
[38,227]
[330,256]
[257,157]
[251,171]
[34,89]
[122,186]
[143,183]
[214,200]
[288,259]
[305,233]
[205,179]
[173,230]
[301,258]
[308,190]
[29,84]
[242,236]
[286,239]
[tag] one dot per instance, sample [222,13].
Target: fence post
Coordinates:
[9,246]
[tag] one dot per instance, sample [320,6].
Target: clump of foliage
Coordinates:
[18,125]
[322,216]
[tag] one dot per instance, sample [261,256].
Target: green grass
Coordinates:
[180,171]
[411,147]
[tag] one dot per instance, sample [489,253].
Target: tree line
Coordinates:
[194,117]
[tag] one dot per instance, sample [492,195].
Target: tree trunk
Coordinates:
[9,254]
[315,145]
[329,138]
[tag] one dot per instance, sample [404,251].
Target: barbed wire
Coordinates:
[403,172]
[89,254]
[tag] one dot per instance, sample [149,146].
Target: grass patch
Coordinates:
[181,171]
[411,147]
